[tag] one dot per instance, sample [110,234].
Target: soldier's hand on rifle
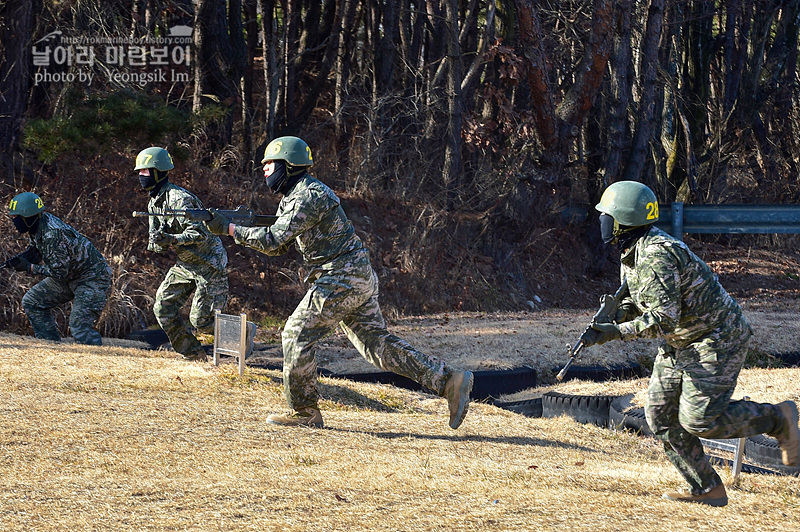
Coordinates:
[608,332]
[218,224]
[162,239]
[21,264]
[626,311]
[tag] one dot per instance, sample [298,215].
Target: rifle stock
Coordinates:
[606,312]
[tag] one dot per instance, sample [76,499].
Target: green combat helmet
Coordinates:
[154,157]
[26,204]
[630,203]
[290,149]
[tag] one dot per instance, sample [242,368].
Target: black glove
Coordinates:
[162,239]
[218,224]
[20,263]
[608,332]
[32,254]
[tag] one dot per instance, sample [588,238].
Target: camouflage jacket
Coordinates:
[678,297]
[66,254]
[311,217]
[195,246]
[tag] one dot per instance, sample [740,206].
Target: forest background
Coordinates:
[469,140]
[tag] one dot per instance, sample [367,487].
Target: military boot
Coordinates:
[456,391]
[716,496]
[789,437]
[198,356]
[305,417]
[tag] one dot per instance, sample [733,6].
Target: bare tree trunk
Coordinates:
[455,103]
[251,25]
[559,125]
[270,74]
[16,31]
[645,125]
[291,58]
[699,48]
[342,73]
[733,59]
[333,30]
[621,73]
[216,77]
[543,105]
[240,74]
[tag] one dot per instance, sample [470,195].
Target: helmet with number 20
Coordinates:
[630,203]
[293,150]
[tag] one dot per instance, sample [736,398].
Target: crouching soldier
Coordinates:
[673,295]
[72,267]
[200,268]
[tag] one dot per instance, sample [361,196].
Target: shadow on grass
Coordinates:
[348,397]
[478,438]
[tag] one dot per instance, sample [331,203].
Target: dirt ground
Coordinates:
[765,283]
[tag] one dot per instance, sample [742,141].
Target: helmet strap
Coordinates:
[629,235]
[284,177]
[27,224]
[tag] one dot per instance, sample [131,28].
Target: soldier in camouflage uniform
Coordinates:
[673,295]
[344,290]
[201,258]
[72,267]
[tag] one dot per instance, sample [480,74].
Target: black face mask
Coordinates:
[277,179]
[153,182]
[607,228]
[284,177]
[26,224]
[147,181]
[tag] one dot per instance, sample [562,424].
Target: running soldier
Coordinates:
[344,290]
[674,295]
[72,267]
[201,258]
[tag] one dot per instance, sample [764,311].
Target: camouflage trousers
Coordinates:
[88,296]
[210,294]
[350,301]
[689,397]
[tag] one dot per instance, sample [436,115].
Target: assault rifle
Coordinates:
[31,254]
[240,216]
[605,314]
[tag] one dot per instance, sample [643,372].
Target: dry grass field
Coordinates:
[120,438]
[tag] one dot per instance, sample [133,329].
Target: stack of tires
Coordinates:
[617,413]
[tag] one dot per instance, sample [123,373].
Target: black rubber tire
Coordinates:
[494,383]
[380,377]
[582,408]
[622,416]
[746,468]
[789,360]
[603,373]
[486,385]
[766,452]
[527,407]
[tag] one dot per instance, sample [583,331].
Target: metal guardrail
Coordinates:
[678,219]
